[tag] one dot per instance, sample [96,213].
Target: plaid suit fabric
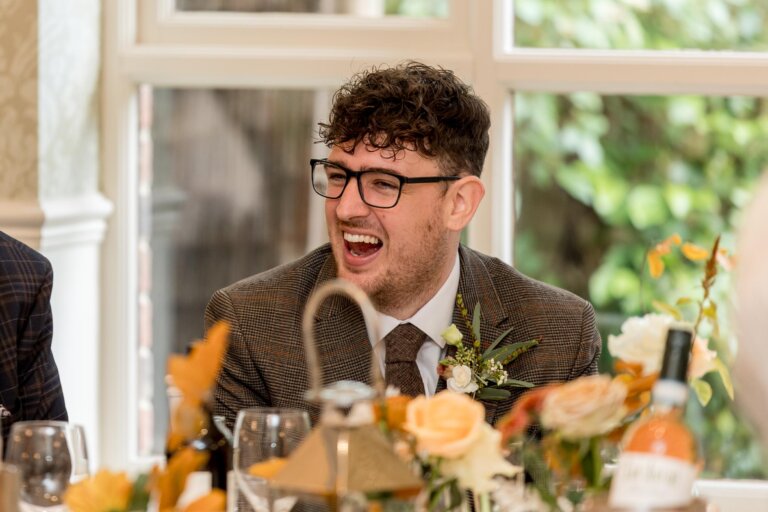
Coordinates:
[29,380]
[265,363]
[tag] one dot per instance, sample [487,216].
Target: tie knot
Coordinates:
[403,343]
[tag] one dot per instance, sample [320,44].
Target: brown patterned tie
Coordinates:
[401,346]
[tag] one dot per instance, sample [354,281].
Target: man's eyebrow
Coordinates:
[365,169]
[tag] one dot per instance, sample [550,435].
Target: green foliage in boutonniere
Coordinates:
[479,372]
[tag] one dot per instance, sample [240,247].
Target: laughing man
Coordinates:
[401,181]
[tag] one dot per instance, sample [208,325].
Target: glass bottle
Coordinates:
[210,440]
[658,463]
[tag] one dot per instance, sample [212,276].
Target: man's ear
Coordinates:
[464,198]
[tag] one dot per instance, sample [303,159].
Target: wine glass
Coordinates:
[264,436]
[49,455]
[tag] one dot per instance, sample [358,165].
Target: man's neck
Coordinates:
[406,309]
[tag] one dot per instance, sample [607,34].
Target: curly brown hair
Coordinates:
[412,106]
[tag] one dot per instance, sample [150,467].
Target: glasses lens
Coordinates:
[380,189]
[328,180]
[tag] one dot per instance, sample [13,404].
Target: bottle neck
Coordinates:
[669,394]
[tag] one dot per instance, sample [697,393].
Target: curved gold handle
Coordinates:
[370,317]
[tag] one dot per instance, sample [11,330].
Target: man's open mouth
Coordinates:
[361,245]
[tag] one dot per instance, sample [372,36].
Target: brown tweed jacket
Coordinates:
[29,380]
[265,363]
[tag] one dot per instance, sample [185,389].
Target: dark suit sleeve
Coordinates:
[240,384]
[590,345]
[40,391]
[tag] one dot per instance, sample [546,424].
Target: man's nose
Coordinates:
[351,205]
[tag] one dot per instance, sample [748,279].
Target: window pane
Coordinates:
[371,8]
[642,24]
[601,179]
[228,196]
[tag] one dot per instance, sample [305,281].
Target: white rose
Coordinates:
[452,335]
[476,469]
[642,340]
[461,380]
[585,407]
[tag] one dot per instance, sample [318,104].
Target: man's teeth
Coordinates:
[367,239]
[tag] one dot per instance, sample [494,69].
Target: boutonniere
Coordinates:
[479,372]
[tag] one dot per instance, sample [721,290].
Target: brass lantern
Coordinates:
[344,456]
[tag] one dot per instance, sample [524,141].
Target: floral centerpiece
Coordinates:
[451,445]
[109,491]
[581,420]
[638,349]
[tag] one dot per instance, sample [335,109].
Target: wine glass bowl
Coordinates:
[265,437]
[48,456]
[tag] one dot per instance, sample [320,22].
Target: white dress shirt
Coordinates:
[433,318]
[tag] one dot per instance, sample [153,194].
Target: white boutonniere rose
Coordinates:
[461,380]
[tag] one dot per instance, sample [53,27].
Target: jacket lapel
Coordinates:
[476,287]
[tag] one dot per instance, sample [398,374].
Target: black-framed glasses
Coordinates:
[380,189]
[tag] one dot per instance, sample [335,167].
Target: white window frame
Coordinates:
[147,41]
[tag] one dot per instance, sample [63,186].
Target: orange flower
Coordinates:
[169,483]
[215,501]
[655,263]
[523,413]
[446,425]
[395,409]
[196,373]
[104,491]
[694,253]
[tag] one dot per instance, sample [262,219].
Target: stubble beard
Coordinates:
[413,278]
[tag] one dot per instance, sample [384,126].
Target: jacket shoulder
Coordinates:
[511,284]
[22,265]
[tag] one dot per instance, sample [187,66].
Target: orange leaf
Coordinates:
[196,373]
[267,469]
[694,253]
[103,491]
[633,369]
[655,265]
[169,483]
[396,407]
[215,501]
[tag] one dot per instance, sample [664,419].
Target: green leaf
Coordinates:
[139,495]
[511,351]
[513,383]
[682,301]
[703,391]
[668,309]
[492,394]
[646,207]
[496,342]
[725,376]
[476,322]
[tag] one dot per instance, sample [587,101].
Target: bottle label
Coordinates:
[644,480]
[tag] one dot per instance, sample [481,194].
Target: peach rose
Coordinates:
[445,425]
[702,359]
[585,407]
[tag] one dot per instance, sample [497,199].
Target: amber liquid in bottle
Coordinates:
[658,463]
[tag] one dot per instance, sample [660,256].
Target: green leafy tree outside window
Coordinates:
[600,179]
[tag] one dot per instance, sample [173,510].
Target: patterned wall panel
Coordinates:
[18,100]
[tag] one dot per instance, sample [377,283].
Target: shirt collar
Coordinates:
[435,316]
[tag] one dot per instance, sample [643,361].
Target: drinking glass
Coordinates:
[263,435]
[49,455]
